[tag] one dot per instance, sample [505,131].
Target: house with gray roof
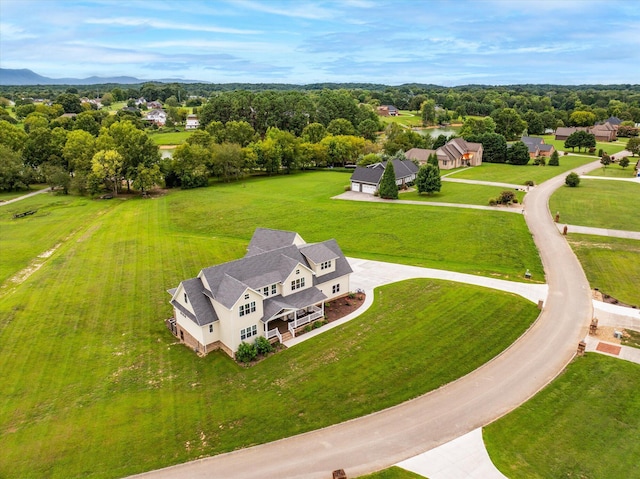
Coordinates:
[279,286]
[366,179]
[537,146]
[455,153]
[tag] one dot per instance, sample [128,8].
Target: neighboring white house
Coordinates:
[276,289]
[192,122]
[159,117]
[366,179]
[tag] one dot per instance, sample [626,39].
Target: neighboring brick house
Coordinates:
[603,132]
[388,110]
[275,290]
[537,146]
[455,153]
[366,179]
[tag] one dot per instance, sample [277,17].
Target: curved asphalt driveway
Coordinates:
[385,438]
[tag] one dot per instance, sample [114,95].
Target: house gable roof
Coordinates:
[204,312]
[419,154]
[229,281]
[266,239]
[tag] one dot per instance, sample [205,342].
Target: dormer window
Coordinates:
[325,265]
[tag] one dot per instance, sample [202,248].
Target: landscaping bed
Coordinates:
[340,307]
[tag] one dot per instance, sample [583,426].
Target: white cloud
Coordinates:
[298,10]
[12,32]
[159,24]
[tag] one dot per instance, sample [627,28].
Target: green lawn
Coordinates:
[493,244]
[599,203]
[392,473]
[608,147]
[461,193]
[406,118]
[57,217]
[9,195]
[611,264]
[517,175]
[169,137]
[615,171]
[93,385]
[113,394]
[586,424]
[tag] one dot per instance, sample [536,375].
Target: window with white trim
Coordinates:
[211,328]
[265,290]
[335,288]
[297,284]
[325,265]
[246,296]
[247,308]
[186,299]
[274,290]
[248,332]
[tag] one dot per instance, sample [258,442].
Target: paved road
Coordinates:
[588,230]
[385,438]
[357,196]
[28,195]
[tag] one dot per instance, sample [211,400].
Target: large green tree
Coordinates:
[227,161]
[388,188]
[14,175]
[78,150]
[582,118]
[494,147]
[134,146]
[428,179]
[508,123]
[106,166]
[633,145]
[518,154]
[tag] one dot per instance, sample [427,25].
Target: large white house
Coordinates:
[192,122]
[275,290]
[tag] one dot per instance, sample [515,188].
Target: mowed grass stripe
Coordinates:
[98,387]
[611,265]
[584,424]
[599,203]
[462,193]
[518,174]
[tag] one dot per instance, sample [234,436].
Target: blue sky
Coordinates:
[374,41]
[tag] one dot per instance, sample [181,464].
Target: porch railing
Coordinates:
[316,314]
[274,333]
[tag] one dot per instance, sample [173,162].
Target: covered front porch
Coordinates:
[288,321]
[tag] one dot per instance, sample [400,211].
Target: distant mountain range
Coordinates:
[28,77]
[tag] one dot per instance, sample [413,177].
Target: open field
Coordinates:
[169,137]
[615,171]
[432,237]
[9,195]
[518,174]
[608,147]
[406,118]
[611,264]
[113,394]
[593,201]
[24,239]
[461,193]
[584,424]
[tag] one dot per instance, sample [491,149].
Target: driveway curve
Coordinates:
[387,437]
